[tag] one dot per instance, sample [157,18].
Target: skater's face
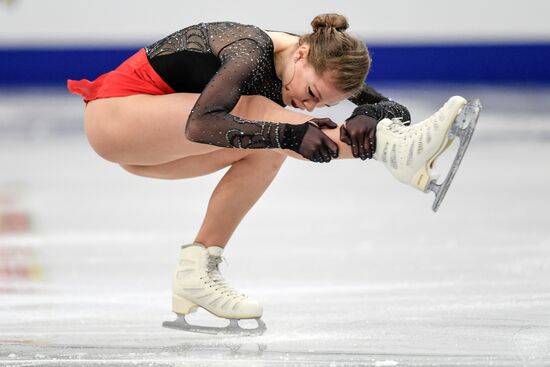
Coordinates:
[308,90]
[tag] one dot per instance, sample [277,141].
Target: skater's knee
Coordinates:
[110,132]
[99,129]
[105,149]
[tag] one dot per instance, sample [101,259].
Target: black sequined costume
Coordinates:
[223,61]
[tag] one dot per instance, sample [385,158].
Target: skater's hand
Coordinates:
[316,145]
[360,132]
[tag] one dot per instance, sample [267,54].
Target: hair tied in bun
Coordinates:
[329,20]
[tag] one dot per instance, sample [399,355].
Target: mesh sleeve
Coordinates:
[367,95]
[383,110]
[211,122]
[373,104]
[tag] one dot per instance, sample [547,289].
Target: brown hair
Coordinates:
[331,48]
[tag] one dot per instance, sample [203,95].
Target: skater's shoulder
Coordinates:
[232,31]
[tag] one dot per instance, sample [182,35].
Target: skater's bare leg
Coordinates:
[261,108]
[147,148]
[142,129]
[149,130]
[230,201]
[236,193]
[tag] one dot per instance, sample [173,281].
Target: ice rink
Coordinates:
[352,267]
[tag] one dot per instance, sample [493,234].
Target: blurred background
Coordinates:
[428,40]
[353,268]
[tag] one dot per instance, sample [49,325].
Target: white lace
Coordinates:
[397,126]
[216,279]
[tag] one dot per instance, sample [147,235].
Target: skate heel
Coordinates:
[422,179]
[182,306]
[426,175]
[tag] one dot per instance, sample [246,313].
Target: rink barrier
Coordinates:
[463,63]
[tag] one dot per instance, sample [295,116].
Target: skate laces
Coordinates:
[217,280]
[396,125]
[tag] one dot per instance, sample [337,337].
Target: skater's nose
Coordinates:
[309,104]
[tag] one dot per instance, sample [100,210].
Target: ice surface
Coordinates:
[87,250]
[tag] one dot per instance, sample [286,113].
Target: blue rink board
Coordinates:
[480,63]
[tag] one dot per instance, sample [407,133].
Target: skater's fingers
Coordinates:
[331,147]
[320,153]
[307,152]
[367,147]
[324,123]
[372,137]
[317,157]
[325,153]
[362,151]
[354,146]
[344,136]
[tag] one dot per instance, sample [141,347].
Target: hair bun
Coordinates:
[336,21]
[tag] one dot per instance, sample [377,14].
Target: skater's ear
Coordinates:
[302,52]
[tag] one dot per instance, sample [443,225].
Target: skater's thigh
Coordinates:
[150,130]
[142,129]
[204,164]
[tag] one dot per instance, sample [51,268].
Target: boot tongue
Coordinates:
[215,251]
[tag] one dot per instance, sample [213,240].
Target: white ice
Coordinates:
[353,268]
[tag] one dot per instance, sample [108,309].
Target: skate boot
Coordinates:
[409,152]
[197,282]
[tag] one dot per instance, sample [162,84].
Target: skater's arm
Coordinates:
[258,107]
[366,95]
[371,103]
[211,122]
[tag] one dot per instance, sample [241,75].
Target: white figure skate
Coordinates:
[409,152]
[197,282]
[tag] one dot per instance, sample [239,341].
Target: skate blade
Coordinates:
[463,128]
[232,329]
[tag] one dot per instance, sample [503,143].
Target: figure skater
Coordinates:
[212,95]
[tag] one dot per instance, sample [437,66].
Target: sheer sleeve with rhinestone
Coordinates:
[372,103]
[211,122]
[368,95]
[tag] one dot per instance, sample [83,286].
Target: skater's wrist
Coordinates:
[379,111]
[369,110]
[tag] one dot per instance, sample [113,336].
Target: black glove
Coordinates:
[359,131]
[381,110]
[309,141]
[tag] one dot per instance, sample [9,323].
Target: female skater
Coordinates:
[212,95]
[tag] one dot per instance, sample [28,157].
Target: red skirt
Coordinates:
[133,76]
